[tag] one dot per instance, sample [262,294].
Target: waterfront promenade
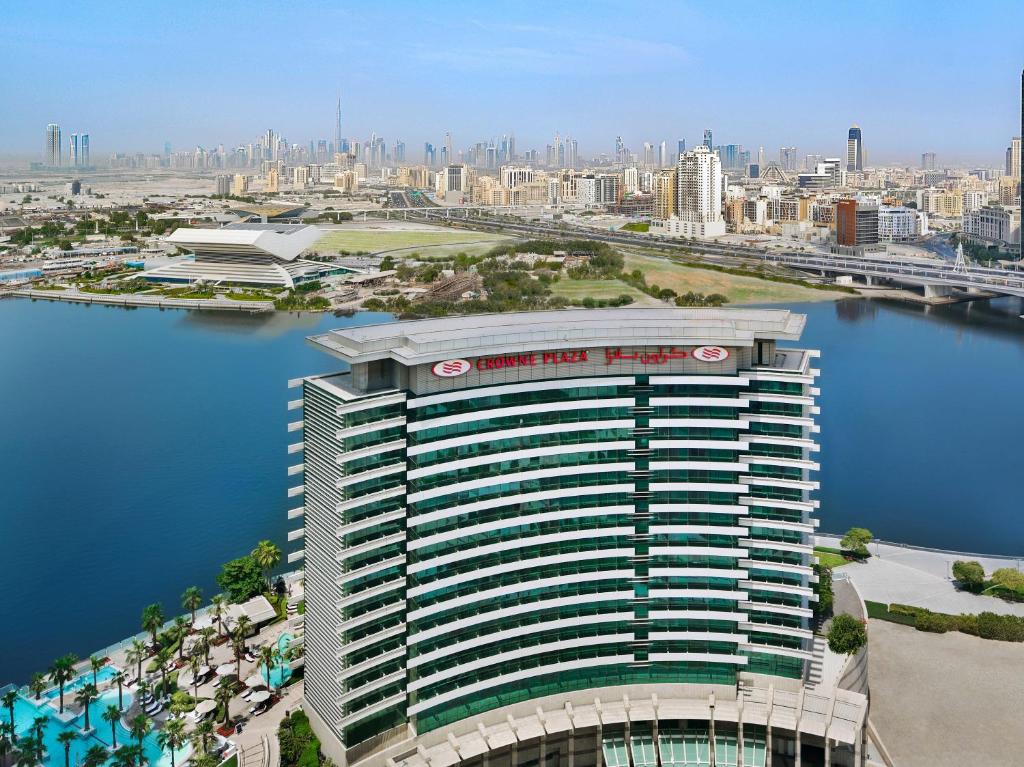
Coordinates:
[159,302]
[922,578]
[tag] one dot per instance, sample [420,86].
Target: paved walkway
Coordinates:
[922,578]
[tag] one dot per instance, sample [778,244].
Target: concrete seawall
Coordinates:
[158,302]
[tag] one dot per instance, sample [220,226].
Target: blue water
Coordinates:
[26,710]
[104,674]
[139,449]
[281,672]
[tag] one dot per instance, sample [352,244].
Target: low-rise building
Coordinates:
[994,225]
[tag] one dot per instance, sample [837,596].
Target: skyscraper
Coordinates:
[83,149]
[707,138]
[337,128]
[854,151]
[73,150]
[928,161]
[699,194]
[53,147]
[1020,167]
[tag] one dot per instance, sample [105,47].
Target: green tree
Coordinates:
[856,541]
[1009,578]
[86,694]
[969,574]
[61,672]
[136,654]
[140,727]
[153,619]
[163,658]
[95,663]
[241,579]
[172,737]
[192,600]
[267,657]
[202,735]
[95,756]
[846,635]
[111,715]
[823,588]
[66,738]
[37,685]
[267,555]
[7,741]
[181,628]
[223,698]
[9,698]
[218,604]
[119,679]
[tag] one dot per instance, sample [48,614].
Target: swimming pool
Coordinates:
[281,672]
[105,674]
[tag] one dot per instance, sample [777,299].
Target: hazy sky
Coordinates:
[916,76]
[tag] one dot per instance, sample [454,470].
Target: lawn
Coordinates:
[580,289]
[383,239]
[828,557]
[738,289]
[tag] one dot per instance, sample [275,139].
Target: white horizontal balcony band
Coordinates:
[703,508]
[297,490]
[736,402]
[295,382]
[699,465]
[362,524]
[367,452]
[793,484]
[781,420]
[785,652]
[297,556]
[530,607]
[697,615]
[715,487]
[350,552]
[514,455]
[683,594]
[294,425]
[700,423]
[296,447]
[365,500]
[508,500]
[296,513]
[365,713]
[702,444]
[799,548]
[523,542]
[296,469]
[514,410]
[526,431]
[383,471]
[787,631]
[698,529]
[702,657]
[771,439]
[777,567]
[523,652]
[349,624]
[294,535]
[786,399]
[528,386]
[354,575]
[514,588]
[554,668]
[377,591]
[377,660]
[771,460]
[780,524]
[778,588]
[523,564]
[814,391]
[701,380]
[693,572]
[778,503]
[369,428]
[697,551]
[294,404]
[368,641]
[782,376]
[657,635]
[518,631]
[764,607]
[526,519]
[522,476]
[369,402]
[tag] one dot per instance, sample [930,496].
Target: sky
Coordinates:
[916,76]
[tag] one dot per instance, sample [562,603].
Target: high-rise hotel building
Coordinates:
[573,538]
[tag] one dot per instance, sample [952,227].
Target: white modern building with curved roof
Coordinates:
[244,254]
[580,538]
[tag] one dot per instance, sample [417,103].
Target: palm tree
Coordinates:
[119,679]
[203,760]
[6,741]
[112,715]
[223,697]
[86,694]
[95,756]
[37,685]
[141,725]
[218,603]
[30,753]
[136,654]
[163,657]
[267,657]
[125,756]
[192,600]
[66,738]
[194,662]
[8,700]
[206,635]
[153,619]
[61,672]
[39,726]
[243,625]
[201,736]
[95,664]
[172,736]
[238,648]
[181,627]
[267,555]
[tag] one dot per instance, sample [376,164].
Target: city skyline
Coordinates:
[527,78]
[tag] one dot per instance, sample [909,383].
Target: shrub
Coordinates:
[846,635]
[1008,578]
[936,623]
[823,588]
[241,579]
[1007,628]
[856,541]
[969,574]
